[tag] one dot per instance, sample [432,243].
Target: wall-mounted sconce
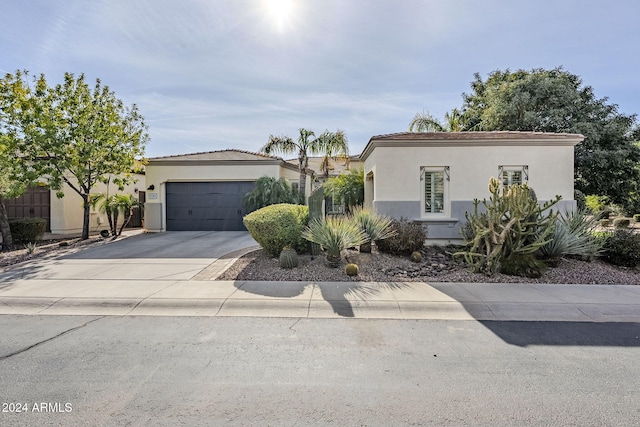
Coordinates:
[135,190]
[151,187]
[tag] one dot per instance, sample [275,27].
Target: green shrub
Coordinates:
[596,203]
[621,222]
[636,218]
[27,230]
[409,237]
[277,226]
[623,248]
[416,256]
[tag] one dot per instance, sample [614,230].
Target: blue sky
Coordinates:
[215,74]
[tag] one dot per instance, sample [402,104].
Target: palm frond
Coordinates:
[425,122]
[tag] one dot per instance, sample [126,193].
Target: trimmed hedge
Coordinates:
[27,230]
[277,226]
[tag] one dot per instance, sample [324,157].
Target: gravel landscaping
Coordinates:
[436,266]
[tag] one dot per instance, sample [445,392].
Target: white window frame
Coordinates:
[509,169]
[446,208]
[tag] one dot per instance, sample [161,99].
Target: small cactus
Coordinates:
[352,270]
[416,256]
[288,258]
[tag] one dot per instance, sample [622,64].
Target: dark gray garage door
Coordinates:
[206,206]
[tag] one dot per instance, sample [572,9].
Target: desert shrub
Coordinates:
[636,218]
[623,248]
[334,234]
[573,234]
[375,226]
[595,203]
[511,226]
[409,237]
[621,222]
[605,222]
[277,226]
[27,230]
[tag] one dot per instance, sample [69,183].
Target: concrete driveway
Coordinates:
[173,255]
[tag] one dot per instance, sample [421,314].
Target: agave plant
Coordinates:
[573,234]
[375,226]
[334,234]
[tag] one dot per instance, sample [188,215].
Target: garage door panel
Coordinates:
[206,206]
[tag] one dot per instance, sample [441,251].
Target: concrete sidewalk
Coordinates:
[397,300]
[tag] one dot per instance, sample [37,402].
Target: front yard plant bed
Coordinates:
[436,266]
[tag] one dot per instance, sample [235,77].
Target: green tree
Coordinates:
[347,187]
[556,101]
[270,191]
[71,133]
[328,143]
[15,177]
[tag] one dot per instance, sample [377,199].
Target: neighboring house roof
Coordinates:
[336,167]
[435,139]
[221,157]
[229,154]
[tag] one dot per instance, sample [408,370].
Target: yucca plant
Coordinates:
[376,227]
[573,234]
[334,234]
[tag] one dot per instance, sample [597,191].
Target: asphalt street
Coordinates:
[112,370]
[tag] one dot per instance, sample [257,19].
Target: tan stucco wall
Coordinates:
[158,175]
[397,169]
[67,212]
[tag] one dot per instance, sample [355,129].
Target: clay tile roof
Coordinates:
[461,136]
[229,154]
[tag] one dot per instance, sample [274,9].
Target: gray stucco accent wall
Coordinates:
[444,228]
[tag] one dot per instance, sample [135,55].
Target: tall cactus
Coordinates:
[511,225]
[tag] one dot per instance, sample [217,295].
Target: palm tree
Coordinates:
[113,206]
[328,143]
[425,122]
[270,191]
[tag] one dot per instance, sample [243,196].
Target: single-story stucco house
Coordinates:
[428,177]
[64,215]
[205,191]
[434,177]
